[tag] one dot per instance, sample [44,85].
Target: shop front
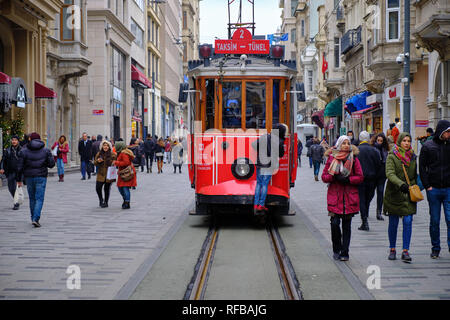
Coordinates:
[139,83]
[393,105]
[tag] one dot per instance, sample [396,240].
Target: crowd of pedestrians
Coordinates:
[27,162]
[385,165]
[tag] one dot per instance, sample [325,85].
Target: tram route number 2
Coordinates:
[231,309]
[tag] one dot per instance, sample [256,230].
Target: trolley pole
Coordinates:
[406,73]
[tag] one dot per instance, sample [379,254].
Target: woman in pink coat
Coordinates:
[343,173]
[61,158]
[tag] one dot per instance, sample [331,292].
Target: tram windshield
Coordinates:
[232,104]
[255,111]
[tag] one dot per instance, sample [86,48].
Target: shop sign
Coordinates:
[98,112]
[422,123]
[20,97]
[357,116]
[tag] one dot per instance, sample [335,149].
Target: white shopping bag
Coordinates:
[55,151]
[18,196]
[112,173]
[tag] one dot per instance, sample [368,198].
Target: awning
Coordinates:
[358,114]
[139,78]
[357,102]
[42,92]
[334,108]
[4,78]
[317,118]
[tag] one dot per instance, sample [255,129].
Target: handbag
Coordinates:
[18,195]
[112,173]
[159,154]
[414,191]
[126,174]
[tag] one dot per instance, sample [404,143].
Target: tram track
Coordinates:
[288,280]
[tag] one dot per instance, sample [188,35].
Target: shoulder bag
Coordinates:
[126,174]
[414,191]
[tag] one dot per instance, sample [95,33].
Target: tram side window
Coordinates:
[232,104]
[209,103]
[255,110]
[276,102]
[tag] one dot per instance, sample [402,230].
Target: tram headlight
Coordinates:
[242,168]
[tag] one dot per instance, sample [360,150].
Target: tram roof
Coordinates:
[231,65]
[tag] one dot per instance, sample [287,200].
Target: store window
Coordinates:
[255,110]
[232,104]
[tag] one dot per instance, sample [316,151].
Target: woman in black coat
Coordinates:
[380,142]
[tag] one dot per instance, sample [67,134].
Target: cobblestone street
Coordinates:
[109,245]
[115,248]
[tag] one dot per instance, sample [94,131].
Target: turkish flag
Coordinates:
[324,64]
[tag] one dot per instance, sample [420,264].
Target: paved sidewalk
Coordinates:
[424,278]
[109,245]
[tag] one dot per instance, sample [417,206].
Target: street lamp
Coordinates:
[406,76]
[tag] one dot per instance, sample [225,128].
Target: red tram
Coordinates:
[235,99]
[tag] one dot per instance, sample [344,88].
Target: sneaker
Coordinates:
[434,254]
[36,224]
[16,206]
[344,258]
[405,257]
[392,254]
[83,178]
[336,255]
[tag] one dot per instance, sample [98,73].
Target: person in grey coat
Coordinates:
[177,156]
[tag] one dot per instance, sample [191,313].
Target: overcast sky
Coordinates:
[214,17]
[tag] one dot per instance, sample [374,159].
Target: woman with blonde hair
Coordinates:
[159,153]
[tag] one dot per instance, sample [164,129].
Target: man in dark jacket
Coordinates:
[434,168]
[34,162]
[269,149]
[8,166]
[95,149]
[149,150]
[308,145]
[85,152]
[317,152]
[371,163]
[299,152]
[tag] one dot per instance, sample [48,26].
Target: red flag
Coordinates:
[324,64]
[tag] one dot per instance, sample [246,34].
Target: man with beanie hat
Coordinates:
[34,162]
[434,169]
[371,163]
[8,166]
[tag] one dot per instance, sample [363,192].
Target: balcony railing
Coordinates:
[350,39]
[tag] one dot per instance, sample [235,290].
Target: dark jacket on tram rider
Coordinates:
[264,159]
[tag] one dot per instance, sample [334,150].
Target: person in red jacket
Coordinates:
[124,159]
[61,158]
[343,172]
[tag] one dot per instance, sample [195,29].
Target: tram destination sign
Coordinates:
[242,43]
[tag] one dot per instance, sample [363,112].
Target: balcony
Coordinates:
[71,57]
[350,40]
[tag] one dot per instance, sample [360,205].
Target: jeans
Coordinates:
[366,193]
[380,194]
[407,230]
[316,167]
[167,156]
[60,166]
[12,183]
[341,241]
[262,183]
[310,162]
[149,159]
[36,192]
[84,165]
[437,198]
[299,161]
[125,193]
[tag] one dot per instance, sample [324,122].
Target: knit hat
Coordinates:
[35,136]
[364,136]
[340,141]
[120,145]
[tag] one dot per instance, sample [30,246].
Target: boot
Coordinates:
[101,203]
[365,225]
[126,205]
[62,178]
[316,178]
[379,216]
[59,178]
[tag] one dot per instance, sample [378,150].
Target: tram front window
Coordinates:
[276,102]
[232,104]
[255,110]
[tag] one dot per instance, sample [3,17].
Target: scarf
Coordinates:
[342,160]
[403,155]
